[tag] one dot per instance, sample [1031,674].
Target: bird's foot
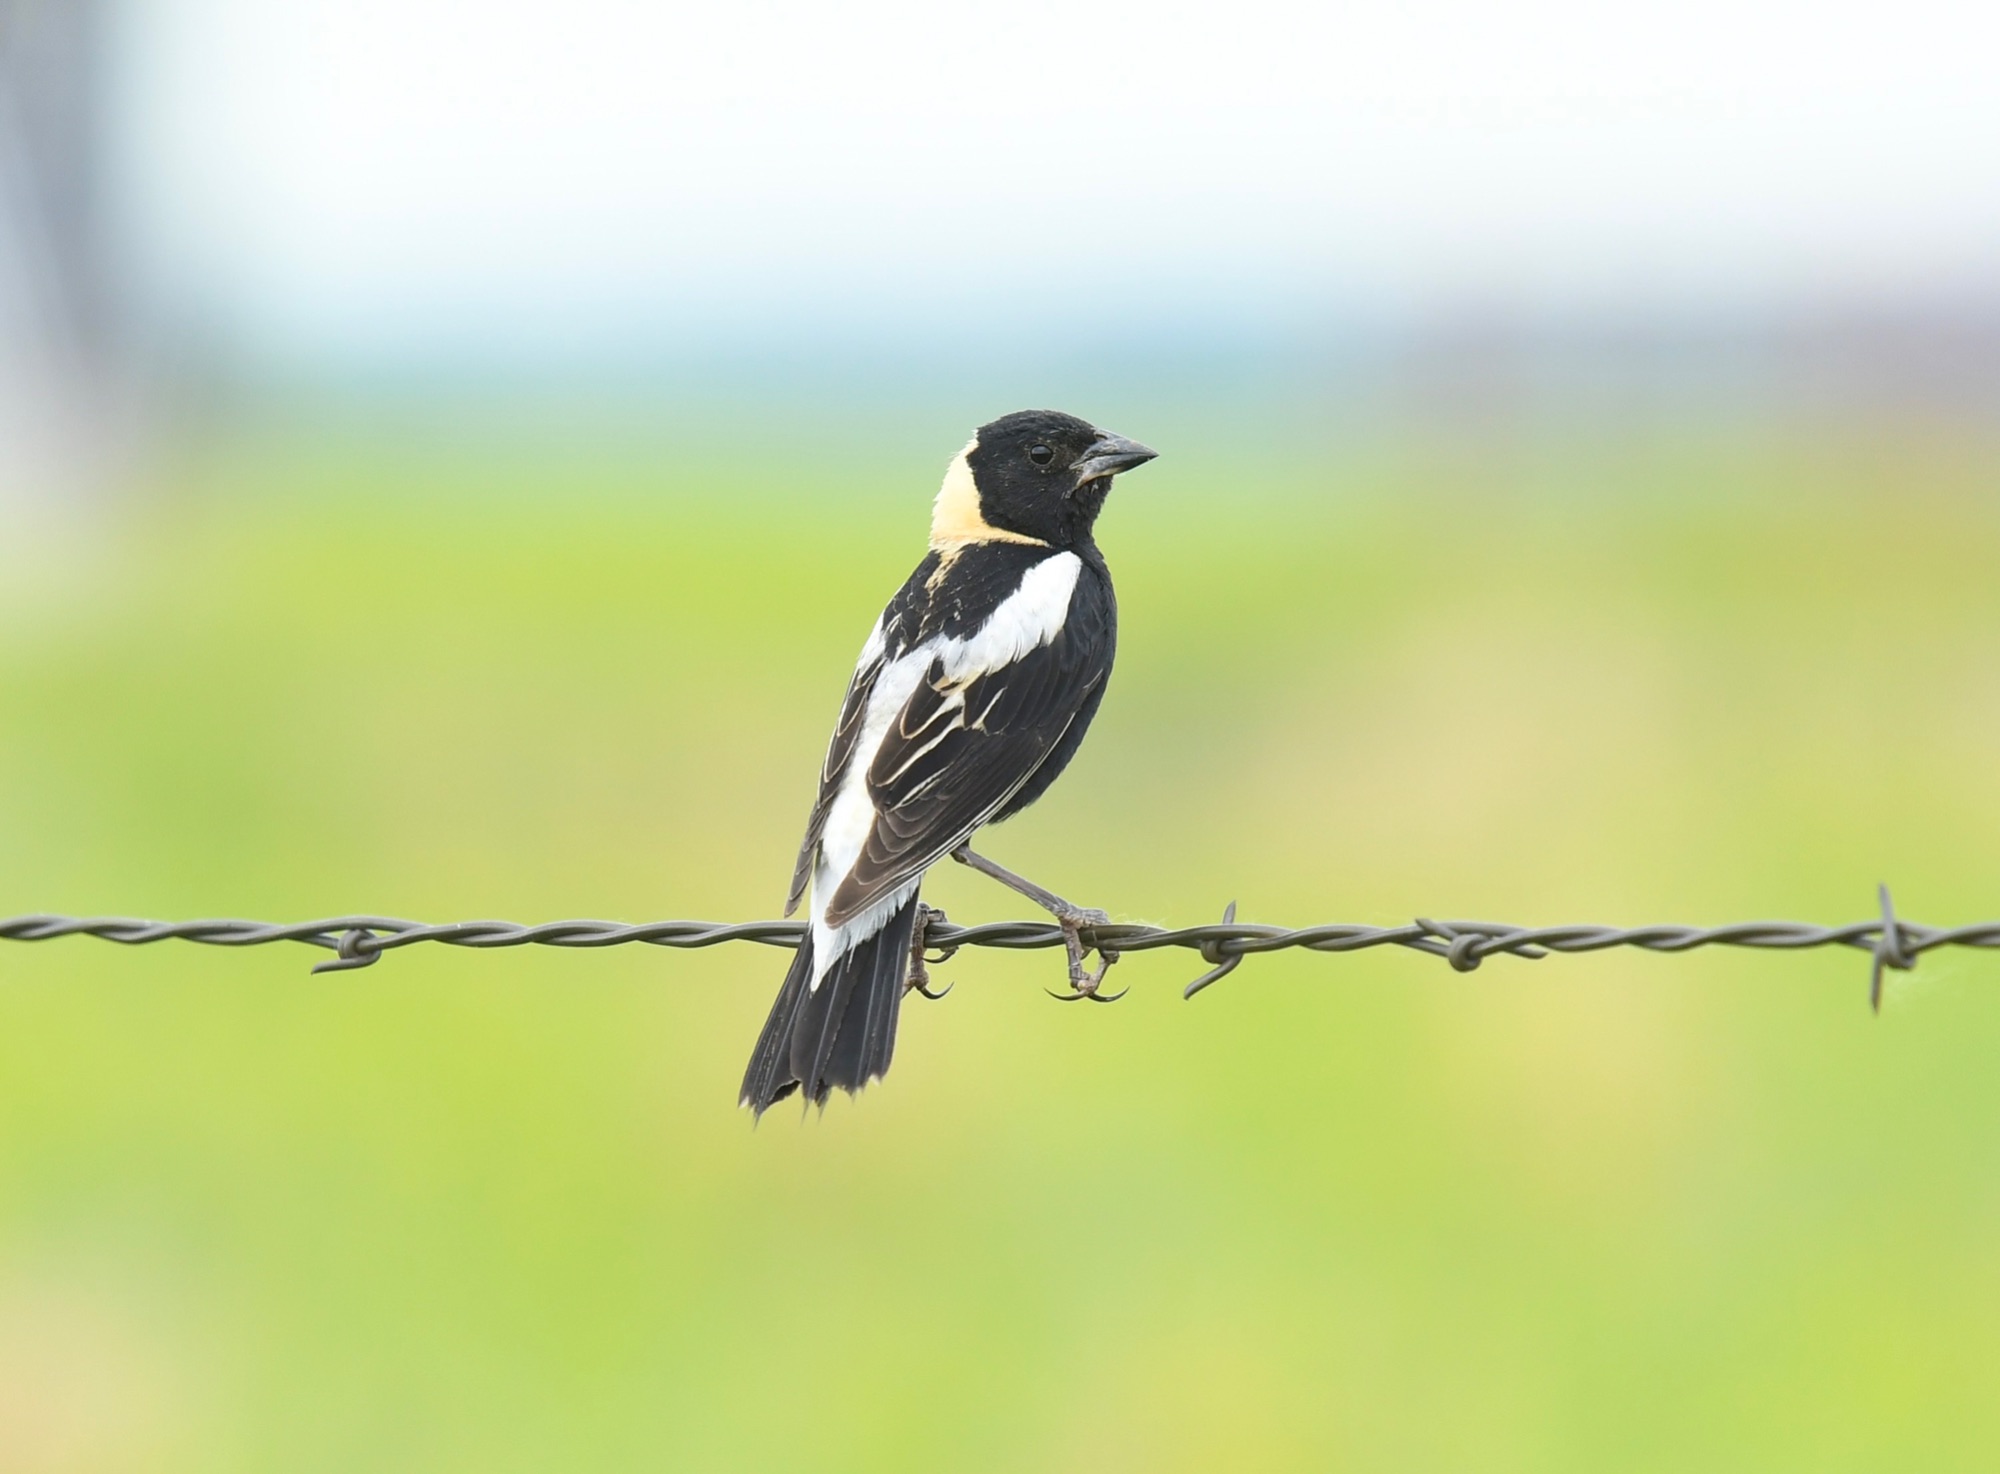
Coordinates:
[920,973]
[1083,982]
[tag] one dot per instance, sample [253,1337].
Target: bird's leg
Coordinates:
[920,973]
[1070,918]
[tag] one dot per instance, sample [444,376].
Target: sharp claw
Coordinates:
[1083,983]
[919,977]
[1086,994]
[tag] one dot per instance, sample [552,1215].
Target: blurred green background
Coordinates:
[449,458]
[498,1211]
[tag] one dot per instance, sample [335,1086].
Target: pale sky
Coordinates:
[340,177]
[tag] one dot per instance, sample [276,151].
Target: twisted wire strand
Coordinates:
[358,941]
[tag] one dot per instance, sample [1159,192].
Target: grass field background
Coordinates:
[498,1211]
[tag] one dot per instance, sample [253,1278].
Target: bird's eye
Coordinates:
[1041,455]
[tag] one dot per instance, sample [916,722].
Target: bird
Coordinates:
[970,697]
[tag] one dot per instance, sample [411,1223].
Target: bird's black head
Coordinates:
[1032,476]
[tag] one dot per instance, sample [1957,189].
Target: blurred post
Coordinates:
[63,394]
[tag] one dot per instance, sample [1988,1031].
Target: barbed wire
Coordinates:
[359,941]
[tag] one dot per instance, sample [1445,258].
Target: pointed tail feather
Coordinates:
[842,1033]
[769,1078]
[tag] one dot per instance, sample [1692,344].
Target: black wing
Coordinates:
[960,749]
[846,732]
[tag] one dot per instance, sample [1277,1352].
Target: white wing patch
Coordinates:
[1025,620]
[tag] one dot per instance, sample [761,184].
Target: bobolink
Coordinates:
[970,697]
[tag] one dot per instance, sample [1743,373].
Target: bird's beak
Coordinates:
[1110,455]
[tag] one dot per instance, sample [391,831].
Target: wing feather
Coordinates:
[968,745]
[839,753]
[939,774]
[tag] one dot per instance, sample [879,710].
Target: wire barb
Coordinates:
[360,941]
[1890,950]
[1211,951]
[356,949]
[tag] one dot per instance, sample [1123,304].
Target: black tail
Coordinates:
[841,1033]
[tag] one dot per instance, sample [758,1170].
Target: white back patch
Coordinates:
[1026,619]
